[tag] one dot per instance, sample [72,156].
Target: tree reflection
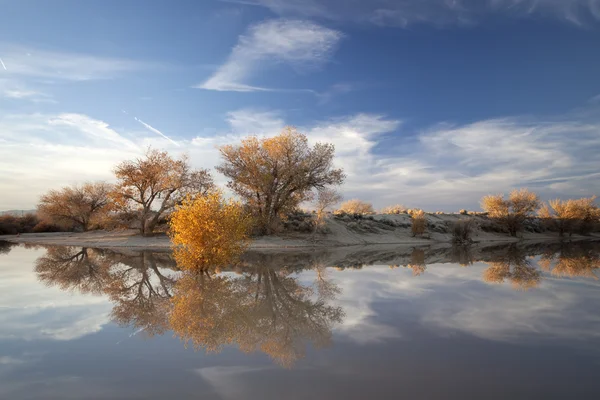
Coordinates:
[141,288]
[5,247]
[514,267]
[73,268]
[260,309]
[263,310]
[579,260]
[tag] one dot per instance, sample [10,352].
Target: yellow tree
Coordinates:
[274,175]
[326,198]
[208,231]
[153,185]
[512,212]
[75,206]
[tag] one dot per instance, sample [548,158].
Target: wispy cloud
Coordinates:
[3,66]
[26,61]
[439,12]
[152,129]
[15,90]
[299,43]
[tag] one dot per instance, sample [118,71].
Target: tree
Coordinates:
[561,215]
[515,268]
[419,223]
[326,198]
[356,206]
[208,231]
[512,212]
[274,175]
[76,206]
[152,186]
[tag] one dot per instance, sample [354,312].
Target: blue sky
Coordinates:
[430,103]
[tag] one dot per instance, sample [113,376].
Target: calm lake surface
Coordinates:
[517,321]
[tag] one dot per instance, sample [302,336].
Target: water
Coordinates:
[517,322]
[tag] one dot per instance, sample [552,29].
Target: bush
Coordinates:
[396,209]
[570,215]
[462,230]
[419,223]
[512,212]
[45,227]
[463,212]
[355,207]
[11,225]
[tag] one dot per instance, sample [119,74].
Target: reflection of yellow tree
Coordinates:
[514,267]
[572,261]
[262,310]
[74,268]
[417,262]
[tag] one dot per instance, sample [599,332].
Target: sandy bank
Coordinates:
[378,230]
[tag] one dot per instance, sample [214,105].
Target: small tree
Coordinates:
[326,198]
[419,223]
[152,186]
[462,230]
[208,231]
[76,206]
[561,215]
[274,175]
[395,209]
[512,212]
[356,206]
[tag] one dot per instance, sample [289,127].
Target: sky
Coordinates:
[430,103]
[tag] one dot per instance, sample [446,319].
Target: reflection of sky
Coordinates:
[444,334]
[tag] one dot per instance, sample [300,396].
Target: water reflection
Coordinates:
[262,305]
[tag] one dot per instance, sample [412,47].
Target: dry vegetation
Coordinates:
[419,223]
[28,223]
[356,206]
[512,212]
[569,216]
[462,231]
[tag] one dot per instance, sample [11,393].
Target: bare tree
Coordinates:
[151,186]
[75,206]
[274,175]
[326,198]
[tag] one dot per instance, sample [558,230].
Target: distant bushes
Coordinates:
[356,206]
[395,209]
[28,223]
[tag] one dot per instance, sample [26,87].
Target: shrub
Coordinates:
[512,212]
[419,223]
[396,209]
[45,227]
[208,231]
[355,207]
[570,215]
[463,212]
[11,225]
[462,230]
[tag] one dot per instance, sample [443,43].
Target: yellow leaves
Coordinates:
[208,231]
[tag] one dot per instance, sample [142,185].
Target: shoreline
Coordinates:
[128,240]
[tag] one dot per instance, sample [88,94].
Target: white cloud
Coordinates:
[26,61]
[299,43]
[11,89]
[438,12]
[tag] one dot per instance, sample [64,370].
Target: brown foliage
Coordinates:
[80,206]
[274,175]
[419,223]
[356,206]
[28,223]
[151,186]
[512,212]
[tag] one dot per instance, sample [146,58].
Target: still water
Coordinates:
[518,321]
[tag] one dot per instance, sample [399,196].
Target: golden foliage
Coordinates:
[151,186]
[395,209]
[515,268]
[326,198]
[512,212]
[76,206]
[208,231]
[419,223]
[356,206]
[274,175]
